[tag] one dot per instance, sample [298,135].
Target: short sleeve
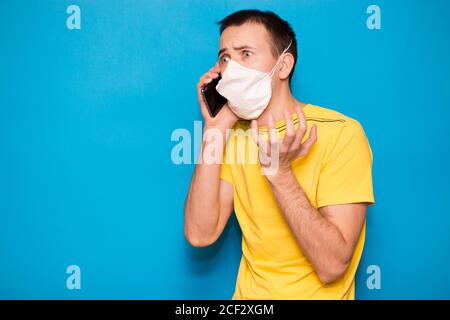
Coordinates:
[346,173]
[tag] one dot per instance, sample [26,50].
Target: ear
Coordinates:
[286,65]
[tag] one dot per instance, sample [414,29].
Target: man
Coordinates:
[303,224]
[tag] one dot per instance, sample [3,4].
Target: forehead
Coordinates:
[250,33]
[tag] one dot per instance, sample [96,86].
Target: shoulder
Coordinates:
[337,133]
[332,123]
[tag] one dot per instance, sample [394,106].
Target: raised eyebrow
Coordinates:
[236,48]
[220,51]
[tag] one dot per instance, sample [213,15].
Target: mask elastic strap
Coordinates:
[273,69]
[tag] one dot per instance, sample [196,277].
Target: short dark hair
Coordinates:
[280,31]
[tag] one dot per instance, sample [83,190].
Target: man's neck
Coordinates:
[279,102]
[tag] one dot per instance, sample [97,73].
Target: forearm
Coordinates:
[202,206]
[320,240]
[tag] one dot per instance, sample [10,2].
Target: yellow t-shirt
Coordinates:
[337,170]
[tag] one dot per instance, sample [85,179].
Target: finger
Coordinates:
[290,130]
[199,90]
[216,67]
[207,79]
[273,135]
[302,126]
[202,81]
[254,129]
[201,101]
[203,107]
[306,146]
[301,119]
[213,74]
[264,158]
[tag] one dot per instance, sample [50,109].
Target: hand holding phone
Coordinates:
[213,106]
[214,101]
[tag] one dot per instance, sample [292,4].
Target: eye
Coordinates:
[224,58]
[247,53]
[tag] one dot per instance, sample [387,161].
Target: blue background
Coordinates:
[86,117]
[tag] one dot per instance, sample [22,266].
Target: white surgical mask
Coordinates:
[247,90]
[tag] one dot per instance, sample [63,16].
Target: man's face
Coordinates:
[249,45]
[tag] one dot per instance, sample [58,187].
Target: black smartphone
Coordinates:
[214,101]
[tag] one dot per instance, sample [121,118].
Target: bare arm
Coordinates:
[327,235]
[208,206]
[209,202]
